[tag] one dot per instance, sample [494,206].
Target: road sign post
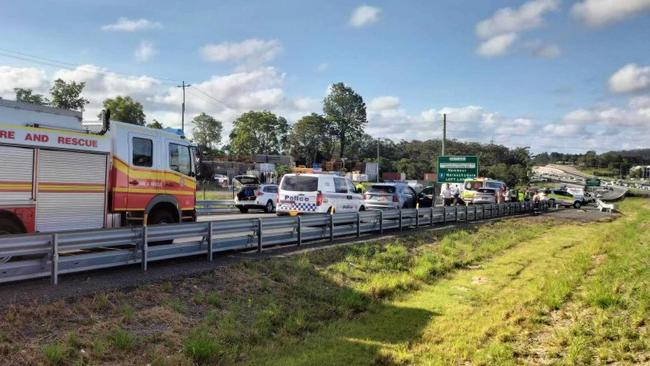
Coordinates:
[455,169]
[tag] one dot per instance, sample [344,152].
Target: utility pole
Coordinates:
[377,160]
[183,85]
[444,132]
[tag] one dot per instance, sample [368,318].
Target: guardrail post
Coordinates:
[417,218]
[475,208]
[55,259]
[431,216]
[400,219]
[444,215]
[299,230]
[259,235]
[358,225]
[456,213]
[331,227]
[210,224]
[466,209]
[145,249]
[381,222]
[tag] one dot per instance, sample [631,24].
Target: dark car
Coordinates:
[390,195]
[427,197]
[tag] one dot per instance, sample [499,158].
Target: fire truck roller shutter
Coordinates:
[16,168]
[71,190]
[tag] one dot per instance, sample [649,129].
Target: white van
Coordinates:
[317,193]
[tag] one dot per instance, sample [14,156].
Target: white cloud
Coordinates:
[601,12]
[21,77]
[145,51]
[540,49]
[323,66]
[384,103]
[630,78]
[252,52]
[307,104]
[499,32]
[131,25]
[497,45]
[507,20]
[364,15]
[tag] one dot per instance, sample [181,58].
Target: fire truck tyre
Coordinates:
[9,226]
[161,217]
[269,207]
[243,209]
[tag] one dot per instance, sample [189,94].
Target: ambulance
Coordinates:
[58,174]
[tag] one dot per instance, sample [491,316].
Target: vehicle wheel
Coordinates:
[8,227]
[362,208]
[331,211]
[577,204]
[269,207]
[159,217]
[243,209]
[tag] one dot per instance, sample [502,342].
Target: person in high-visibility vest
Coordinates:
[360,188]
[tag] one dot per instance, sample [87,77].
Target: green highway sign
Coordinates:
[593,182]
[455,169]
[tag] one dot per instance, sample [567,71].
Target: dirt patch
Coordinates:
[582,215]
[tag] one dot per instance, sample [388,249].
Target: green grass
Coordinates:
[530,290]
[499,312]
[213,195]
[55,353]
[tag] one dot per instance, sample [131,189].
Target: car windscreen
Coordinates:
[298,183]
[473,185]
[382,189]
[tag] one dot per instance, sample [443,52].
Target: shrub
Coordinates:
[201,347]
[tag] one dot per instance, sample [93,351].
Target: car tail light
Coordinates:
[395,198]
[319,198]
[259,193]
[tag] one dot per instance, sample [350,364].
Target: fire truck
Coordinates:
[58,173]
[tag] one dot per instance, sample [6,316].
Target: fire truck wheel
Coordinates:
[9,226]
[161,217]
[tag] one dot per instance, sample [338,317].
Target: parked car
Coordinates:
[563,198]
[427,197]
[390,195]
[221,180]
[253,195]
[317,193]
[481,190]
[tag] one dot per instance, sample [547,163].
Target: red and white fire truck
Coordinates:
[57,173]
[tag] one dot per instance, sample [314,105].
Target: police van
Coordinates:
[317,193]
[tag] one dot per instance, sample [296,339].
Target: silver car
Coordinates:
[390,195]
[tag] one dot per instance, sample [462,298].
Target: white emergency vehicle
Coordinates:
[317,193]
[55,174]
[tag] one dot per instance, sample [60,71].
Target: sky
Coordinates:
[554,75]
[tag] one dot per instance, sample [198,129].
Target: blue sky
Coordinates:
[550,74]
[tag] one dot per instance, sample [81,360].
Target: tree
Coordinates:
[207,131]
[346,111]
[155,124]
[309,140]
[68,95]
[125,109]
[258,133]
[27,96]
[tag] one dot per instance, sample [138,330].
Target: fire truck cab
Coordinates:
[57,173]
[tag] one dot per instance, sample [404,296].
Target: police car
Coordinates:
[317,193]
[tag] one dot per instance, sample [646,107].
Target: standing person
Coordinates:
[446,195]
[455,193]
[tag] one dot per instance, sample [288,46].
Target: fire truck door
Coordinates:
[144,180]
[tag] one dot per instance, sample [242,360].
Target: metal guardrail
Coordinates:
[52,254]
[214,207]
